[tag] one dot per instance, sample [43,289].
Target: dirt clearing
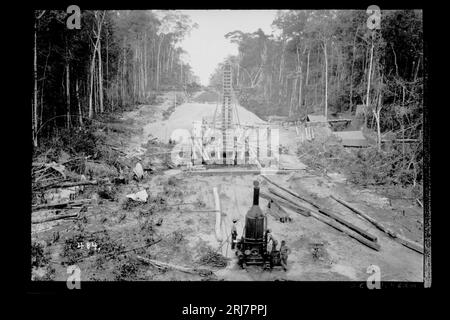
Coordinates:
[175,226]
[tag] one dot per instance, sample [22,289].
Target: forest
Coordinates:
[328,62]
[116,60]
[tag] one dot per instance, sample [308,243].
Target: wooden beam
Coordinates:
[406,242]
[353,231]
[329,214]
[348,224]
[354,235]
[218,214]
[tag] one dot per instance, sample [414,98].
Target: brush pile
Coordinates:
[214,259]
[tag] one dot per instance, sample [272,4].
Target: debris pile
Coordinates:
[214,259]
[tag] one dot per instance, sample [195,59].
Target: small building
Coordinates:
[316,121]
[354,139]
[316,118]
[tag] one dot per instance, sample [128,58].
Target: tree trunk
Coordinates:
[326,78]
[351,72]
[68,93]
[35,97]
[92,69]
[91,86]
[158,64]
[369,75]
[80,114]
[100,76]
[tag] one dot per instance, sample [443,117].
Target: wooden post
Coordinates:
[218,215]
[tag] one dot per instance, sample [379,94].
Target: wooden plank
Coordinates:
[218,214]
[406,242]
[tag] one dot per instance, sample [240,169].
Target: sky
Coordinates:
[206,46]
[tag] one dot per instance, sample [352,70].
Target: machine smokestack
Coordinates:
[255,193]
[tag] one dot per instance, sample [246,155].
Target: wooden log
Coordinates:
[69,184]
[329,214]
[354,235]
[211,210]
[303,211]
[348,224]
[58,217]
[326,220]
[165,265]
[61,205]
[287,198]
[406,242]
[50,211]
[291,192]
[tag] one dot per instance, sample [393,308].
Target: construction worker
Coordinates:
[233,234]
[274,245]
[284,251]
[270,239]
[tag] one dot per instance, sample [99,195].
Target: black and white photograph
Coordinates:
[229,145]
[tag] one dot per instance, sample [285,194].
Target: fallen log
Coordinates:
[303,211]
[406,242]
[51,211]
[165,265]
[291,192]
[58,217]
[348,224]
[210,210]
[323,219]
[61,205]
[69,184]
[288,198]
[329,214]
[354,235]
